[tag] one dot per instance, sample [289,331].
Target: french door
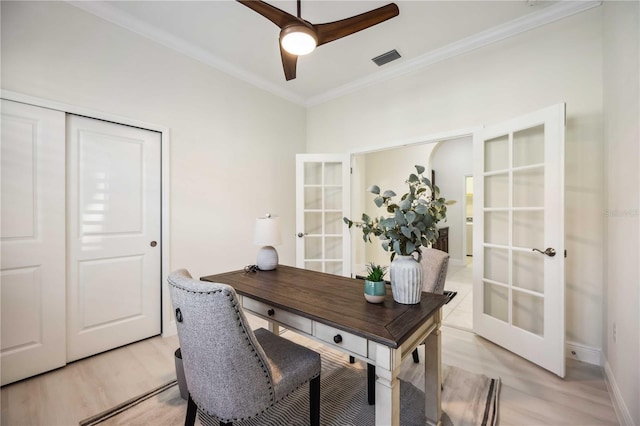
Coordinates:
[518,284]
[114,247]
[322,200]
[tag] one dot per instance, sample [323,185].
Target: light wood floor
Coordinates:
[530,395]
[458,312]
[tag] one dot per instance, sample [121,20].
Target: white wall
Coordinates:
[560,62]
[622,202]
[233,146]
[452,160]
[389,169]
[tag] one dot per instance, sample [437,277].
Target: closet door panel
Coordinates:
[114,199]
[32,241]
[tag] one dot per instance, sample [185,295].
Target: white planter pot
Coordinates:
[406,280]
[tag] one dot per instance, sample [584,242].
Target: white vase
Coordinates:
[406,280]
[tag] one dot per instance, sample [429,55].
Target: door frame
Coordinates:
[167,321]
[464,221]
[401,143]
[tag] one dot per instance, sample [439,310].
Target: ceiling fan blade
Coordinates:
[289,62]
[334,30]
[272,13]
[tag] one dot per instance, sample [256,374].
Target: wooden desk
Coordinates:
[332,310]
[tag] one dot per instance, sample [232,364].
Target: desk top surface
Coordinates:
[333,300]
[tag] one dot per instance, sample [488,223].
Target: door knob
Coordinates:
[153,243]
[300,234]
[549,251]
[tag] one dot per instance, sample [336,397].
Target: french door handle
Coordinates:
[549,251]
[301,234]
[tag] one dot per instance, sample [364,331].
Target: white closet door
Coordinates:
[32,241]
[114,195]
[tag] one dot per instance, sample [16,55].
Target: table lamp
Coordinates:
[267,235]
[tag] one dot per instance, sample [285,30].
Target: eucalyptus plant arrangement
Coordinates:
[412,220]
[375,272]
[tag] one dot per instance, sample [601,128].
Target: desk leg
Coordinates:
[432,378]
[387,386]
[371,384]
[273,327]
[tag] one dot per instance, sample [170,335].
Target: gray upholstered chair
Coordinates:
[232,372]
[434,273]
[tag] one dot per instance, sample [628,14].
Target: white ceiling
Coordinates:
[235,39]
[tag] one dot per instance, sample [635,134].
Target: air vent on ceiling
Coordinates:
[385,58]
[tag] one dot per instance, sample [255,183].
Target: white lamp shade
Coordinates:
[267,231]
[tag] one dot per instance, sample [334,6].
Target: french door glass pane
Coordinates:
[333,267]
[333,198]
[528,312]
[313,197]
[496,301]
[333,247]
[333,223]
[528,228]
[333,174]
[496,154]
[528,271]
[496,191]
[313,266]
[496,228]
[313,223]
[528,146]
[313,247]
[312,173]
[528,188]
[496,264]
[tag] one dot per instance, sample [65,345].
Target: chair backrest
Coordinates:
[225,367]
[434,269]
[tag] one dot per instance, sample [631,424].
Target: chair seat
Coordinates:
[292,365]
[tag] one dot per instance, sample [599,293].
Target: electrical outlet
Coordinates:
[614,332]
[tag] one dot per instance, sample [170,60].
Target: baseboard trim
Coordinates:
[583,353]
[621,409]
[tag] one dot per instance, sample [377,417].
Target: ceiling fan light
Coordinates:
[298,40]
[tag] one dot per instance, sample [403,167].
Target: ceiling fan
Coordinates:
[300,37]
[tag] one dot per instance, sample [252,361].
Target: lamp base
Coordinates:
[267,258]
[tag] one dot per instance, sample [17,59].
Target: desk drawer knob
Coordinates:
[271,312]
[337,338]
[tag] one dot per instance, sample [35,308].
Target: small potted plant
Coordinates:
[374,285]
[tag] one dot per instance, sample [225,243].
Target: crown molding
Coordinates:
[104,10]
[553,13]
[533,20]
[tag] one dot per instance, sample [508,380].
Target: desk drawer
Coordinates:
[285,318]
[341,339]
